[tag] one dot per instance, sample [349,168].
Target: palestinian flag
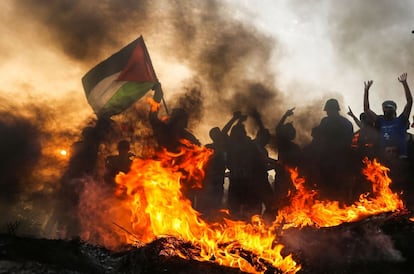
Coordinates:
[117,82]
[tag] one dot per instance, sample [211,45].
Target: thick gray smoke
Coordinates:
[370,38]
[31,164]
[82,30]
[228,59]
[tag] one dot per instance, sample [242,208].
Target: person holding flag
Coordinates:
[170,132]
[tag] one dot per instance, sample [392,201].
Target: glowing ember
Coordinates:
[63,152]
[158,208]
[306,210]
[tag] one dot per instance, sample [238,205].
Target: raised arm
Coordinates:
[407,109]
[229,124]
[288,113]
[256,116]
[371,115]
[356,120]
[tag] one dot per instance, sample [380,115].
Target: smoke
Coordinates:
[21,149]
[385,32]
[83,29]
[30,143]
[228,59]
[366,40]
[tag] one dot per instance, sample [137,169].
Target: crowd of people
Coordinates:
[331,163]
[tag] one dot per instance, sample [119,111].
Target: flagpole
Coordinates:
[150,62]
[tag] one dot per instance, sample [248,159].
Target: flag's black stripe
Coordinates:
[113,64]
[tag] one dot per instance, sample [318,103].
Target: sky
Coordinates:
[212,57]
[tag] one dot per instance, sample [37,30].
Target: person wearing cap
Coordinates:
[392,128]
[335,129]
[335,134]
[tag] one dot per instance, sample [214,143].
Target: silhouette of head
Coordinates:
[363,117]
[179,118]
[263,136]
[331,106]
[238,132]
[215,134]
[123,146]
[88,133]
[389,108]
[288,131]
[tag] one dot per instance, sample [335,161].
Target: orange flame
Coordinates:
[150,204]
[306,210]
[158,208]
[154,104]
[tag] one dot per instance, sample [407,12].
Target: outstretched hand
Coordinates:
[368,84]
[403,77]
[289,112]
[237,114]
[158,94]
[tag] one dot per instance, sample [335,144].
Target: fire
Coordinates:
[151,203]
[154,105]
[154,191]
[306,210]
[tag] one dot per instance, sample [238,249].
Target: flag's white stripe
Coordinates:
[104,91]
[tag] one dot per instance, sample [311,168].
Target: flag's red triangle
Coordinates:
[139,67]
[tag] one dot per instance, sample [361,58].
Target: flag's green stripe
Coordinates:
[128,94]
[115,63]
[104,91]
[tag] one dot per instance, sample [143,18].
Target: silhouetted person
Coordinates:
[365,144]
[170,132]
[366,138]
[211,195]
[289,153]
[118,163]
[262,139]
[289,156]
[392,128]
[311,157]
[393,134]
[249,186]
[335,134]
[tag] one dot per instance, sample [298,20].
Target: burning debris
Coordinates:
[379,244]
